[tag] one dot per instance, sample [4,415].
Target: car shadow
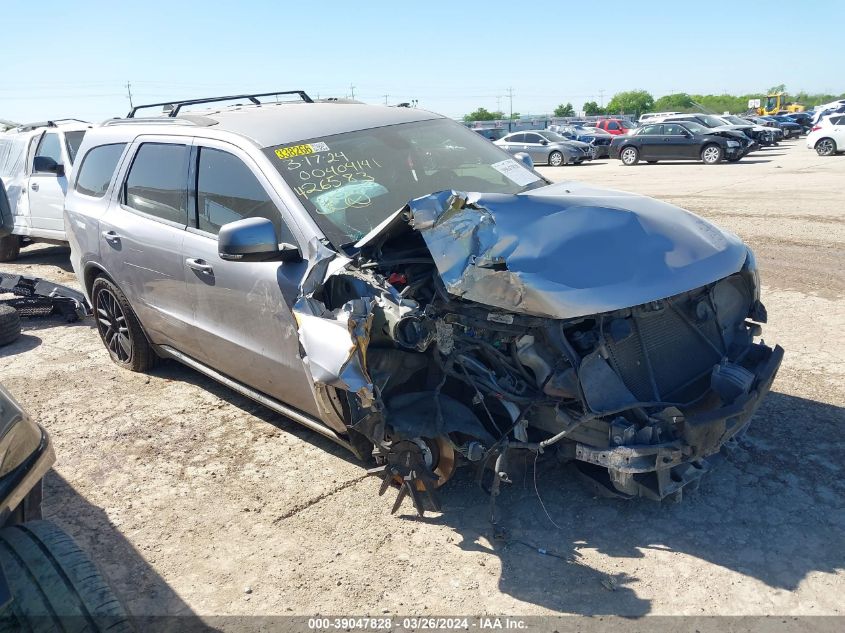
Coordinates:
[692,163]
[174,370]
[58,256]
[152,604]
[764,513]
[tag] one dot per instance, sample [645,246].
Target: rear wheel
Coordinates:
[54,585]
[630,156]
[555,159]
[712,154]
[119,327]
[826,147]
[10,248]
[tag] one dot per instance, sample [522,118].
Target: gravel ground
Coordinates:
[194,499]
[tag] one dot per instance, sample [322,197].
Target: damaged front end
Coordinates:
[610,330]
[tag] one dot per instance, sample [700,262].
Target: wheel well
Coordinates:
[825,138]
[92,271]
[624,147]
[711,144]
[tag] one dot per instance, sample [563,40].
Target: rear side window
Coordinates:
[228,191]
[613,125]
[50,147]
[97,169]
[652,129]
[157,183]
[516,138]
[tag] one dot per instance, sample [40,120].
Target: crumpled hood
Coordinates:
[567,250]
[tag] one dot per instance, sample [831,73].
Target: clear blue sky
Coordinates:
[63,58]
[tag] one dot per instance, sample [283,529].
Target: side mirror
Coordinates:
[47,164]
[544,142]
[253,240]
[525,159]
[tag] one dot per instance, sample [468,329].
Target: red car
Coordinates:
[615,126]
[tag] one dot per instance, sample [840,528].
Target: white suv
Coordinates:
[828,135]
[34,162]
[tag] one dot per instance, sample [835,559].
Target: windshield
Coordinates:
[553,136]
[73,140]
[696,128]
[735,120]
[771,103]
[711,121]
[351,182]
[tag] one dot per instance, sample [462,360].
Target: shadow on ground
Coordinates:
[50,255]
[772,511]
[144,593]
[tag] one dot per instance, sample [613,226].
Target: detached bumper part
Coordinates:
[660,470]
[38,297]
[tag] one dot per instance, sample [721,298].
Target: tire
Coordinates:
[712,154]
[629,155]
[10,248]
[556,159]
[119,328]
[54,585]
[10,324]
[826,147]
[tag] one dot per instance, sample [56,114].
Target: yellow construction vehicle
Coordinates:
[778,102]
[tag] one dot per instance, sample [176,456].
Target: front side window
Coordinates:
[97,169]
[73,140]
[673,129]
[351,182]
[157,183]
[613,125]
[228,191]
[50,147]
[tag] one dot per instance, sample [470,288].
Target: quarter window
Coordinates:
[97,169]
[50,147]
[227,191]
[157,183]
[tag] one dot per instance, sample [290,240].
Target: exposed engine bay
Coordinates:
[428,351]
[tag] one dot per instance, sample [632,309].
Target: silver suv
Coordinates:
[326,260]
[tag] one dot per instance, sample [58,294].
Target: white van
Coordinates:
[653,115]
[35,160]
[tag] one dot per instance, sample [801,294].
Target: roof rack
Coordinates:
[175,106]
[27,127]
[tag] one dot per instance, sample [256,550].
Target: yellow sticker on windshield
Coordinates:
[300,150]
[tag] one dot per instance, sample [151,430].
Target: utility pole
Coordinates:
[510,97]
[498,103]
[129,94]
[601,98]
[385,99]
[352,90]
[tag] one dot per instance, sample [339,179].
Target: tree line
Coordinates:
[637,102]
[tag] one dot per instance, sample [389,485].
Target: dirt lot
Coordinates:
[194,499]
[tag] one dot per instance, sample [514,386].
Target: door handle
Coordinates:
[200,265]
[111,236]
[34,186]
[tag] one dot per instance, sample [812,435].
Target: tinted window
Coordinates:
[516,138]
[98,168]
[157,182]
[73,141]
[673,130]
[613,125]
[50,147]
[533,138]
[651,129]
[228,191]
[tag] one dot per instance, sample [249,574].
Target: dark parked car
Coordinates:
[679,141]
[804,119]
[790,127]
